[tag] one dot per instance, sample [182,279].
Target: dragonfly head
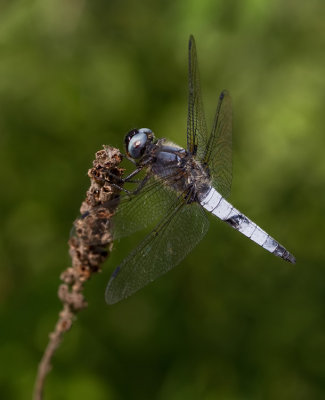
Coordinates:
[136,142]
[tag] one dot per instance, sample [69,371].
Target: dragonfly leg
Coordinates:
[120,187]
[131,175]
[126,179]
[139,182]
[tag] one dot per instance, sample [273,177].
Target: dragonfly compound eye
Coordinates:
[137,145]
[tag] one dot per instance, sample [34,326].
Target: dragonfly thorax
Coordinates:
[179,170]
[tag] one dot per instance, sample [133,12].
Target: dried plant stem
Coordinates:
[89,247]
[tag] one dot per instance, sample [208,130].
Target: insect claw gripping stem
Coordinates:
[89,248]
[117,178]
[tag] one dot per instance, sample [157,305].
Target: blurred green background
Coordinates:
[232,321]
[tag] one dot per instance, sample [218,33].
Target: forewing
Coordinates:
[218,155]
[197,135]
[138,211]
[171,240]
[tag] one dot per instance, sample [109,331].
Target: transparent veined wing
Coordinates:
[197,135]
[144,202]
[218,152]
[183,226]
[140,210]
[215,150]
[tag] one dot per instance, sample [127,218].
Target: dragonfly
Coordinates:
[175,188]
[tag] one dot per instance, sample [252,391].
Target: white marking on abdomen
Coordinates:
[220,207]
[212,199]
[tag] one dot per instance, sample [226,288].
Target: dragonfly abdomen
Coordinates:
[221,208]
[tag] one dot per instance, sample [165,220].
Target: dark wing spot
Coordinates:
[190,43]
[116,272]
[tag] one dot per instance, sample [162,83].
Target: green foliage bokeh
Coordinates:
[232,321]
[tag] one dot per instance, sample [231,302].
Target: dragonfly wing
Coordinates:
[170,241]
[197,135]
[218,153]
[215,150]
[138,211]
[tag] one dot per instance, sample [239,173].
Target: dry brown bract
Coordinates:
[90,245]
